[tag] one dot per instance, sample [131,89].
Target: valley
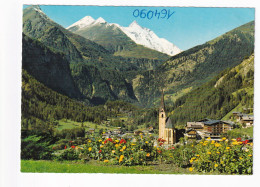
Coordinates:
[94,80]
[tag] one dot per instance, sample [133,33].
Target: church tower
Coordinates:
[162,117]
[166,128]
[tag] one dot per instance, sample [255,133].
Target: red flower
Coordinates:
[122,141]
[109,139]
[160,144]
[239,139]
[159,151]
[173,147]
[65,147]
[159,139]
[53,148]
[100,151]
[73,147]
[245,142]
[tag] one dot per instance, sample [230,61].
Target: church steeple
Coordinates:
[162,106]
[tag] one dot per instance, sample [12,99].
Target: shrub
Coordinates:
[34,147]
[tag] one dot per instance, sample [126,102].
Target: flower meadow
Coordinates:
[225,156]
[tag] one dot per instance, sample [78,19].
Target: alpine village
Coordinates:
[94,100]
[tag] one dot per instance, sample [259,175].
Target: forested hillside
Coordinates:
[195,66]
[42,107]
[231,88]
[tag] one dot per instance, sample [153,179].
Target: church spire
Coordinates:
[162,106]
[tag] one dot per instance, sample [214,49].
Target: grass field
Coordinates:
[98,167]
[68,124]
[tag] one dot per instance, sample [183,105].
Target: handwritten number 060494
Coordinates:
[150,14]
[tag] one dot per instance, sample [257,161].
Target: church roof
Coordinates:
[168,123]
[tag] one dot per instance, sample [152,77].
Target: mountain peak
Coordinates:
[100,20]
[87,20]
[36,7]
[134,24]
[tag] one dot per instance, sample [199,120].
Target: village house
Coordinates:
[207,128]
[245,119]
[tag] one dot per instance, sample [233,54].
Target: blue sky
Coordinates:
[186,28]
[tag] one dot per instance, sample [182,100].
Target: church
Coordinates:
[166,128]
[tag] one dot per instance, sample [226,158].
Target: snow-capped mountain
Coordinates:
[148,38]
[140,35]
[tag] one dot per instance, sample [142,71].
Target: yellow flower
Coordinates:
[216,165]
[240,158]
[224,138]
[208,138]
[116,141]
[218,152]
[227,148]
[121,158]
[132,158]
[148,154]
[191,169]
[101,146]
[124,147]
[209,153]
[235,143]
[89,149]
[191,160]
[133,144]
[249,155]
[121,150]
[116,145]
[217,145]
[141,149]
[234,140]
[89,141]
[205,144]
[197,155]
[106,161]
[113,151]
[146,142]
[213,141]
[192,145]
[103,142]
[100,140]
